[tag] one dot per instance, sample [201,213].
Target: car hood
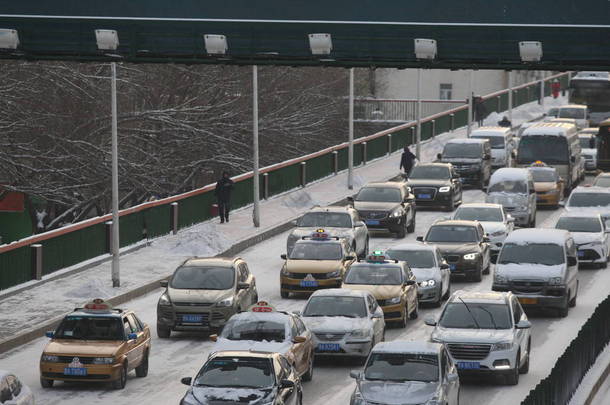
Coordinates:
[336,232]
[375,206]
[506,199]
[395,393]
[380,292]
[529,271]
[338,324]
[580,238]
[84,348]
[457,248]
[312,266]
[603,211]
[180,295]
[275,347]
[426,273]
[461,160]
[428,182]
[455,335]
[545,186]
[213,395]
[589,151]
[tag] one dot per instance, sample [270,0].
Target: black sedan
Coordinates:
[436,185]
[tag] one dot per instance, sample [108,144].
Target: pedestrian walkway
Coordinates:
[29,308]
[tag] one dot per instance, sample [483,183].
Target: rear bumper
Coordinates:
[551,298]
[548,199]
[392,313]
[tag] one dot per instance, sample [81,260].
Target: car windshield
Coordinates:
[203,278]
[548,254]
[316,251]
[462,150]
[325,220]
[374,275]
[603,181]
[351,307]
[589,200]
[90,328]
[415,258]
[547,148]
[544,176]
[576,113]
[452,234]
[475,315]
[553,112]
[254,329]
[579,224]
[508,186]
[402,367]
[497,142]
[430,172]
[379,194]
[236,372]
[479,214]
[587,142]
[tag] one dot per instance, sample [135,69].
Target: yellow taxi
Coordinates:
[391,282]
[315,262]
[96,343]
[547,183]
[263,328]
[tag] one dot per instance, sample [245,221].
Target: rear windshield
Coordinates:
[259,330]
[587,142]
[475,315]
[90,328]
[462,150]
[401,367]
[589,200]
[325,220]
[548,254]
[497,142]
[544,176]
[452,234]
[508,186]
[316,251]
[430,172]
[479,214]
[415,258]
[351,307]
[374,275]
[576,113]
[203,278]
[379,194]
[579,224]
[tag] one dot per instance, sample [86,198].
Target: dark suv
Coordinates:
[471,159]
[463,245]
[386,205]
[436,185]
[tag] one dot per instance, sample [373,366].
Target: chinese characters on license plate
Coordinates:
[468,365]
[328,347]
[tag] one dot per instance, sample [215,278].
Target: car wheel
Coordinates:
[525,368]
[284,294]
[411,228]
[402,230]
[403,321]
[572,302]
[255,300]
[448,293]
[603,265]
[533,222]
[142,369]
[482,183]
[415,313]
[309,374]
[44,383]
[563,311]
[163,332]
[120,383]
[486,270]
[513,378]
[365,252]
[479,275]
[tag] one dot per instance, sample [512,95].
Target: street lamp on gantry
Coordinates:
[425,49]
[9,38]
[530,51]
[215,44]
[108,40]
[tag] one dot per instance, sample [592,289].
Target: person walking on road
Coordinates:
[223,190]
[406,161]
[480,111]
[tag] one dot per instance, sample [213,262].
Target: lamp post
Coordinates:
[255,174]
[425,49]
[350,146]
[418,133]
[470,103]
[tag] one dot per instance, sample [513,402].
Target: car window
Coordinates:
[243,273]
[301,328]
[249,372]
[286,368]
[134,324]
[325,219]
[128,327]
[517,311]
[372,304]
[452,233]
[5,392]
[444,367]
[90,328]
[316,251]
[138,321]
[14,384]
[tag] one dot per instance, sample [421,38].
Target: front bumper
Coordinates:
[551,199]
[458,266]
[591,165]
[541,296]
[347,346]
[387,222]
[498,362]
[591,254]
[176,317]
[431,197]
[298,285]
[429,294]
[521,217]
[393,313]
[95,372]
[469,175]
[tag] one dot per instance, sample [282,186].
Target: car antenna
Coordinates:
[470,312]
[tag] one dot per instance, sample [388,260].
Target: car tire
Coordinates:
[403,322]
[603,265]
[415,313]
[44,383]
[120,383]
[284,294]
[308,376]
[142,369]
[411,227]
[572,302]
[163,332]
[448,293]
[525,368]
[365,252]
[487,269]
[478,277]
[533,222]
[513,378]
[402,230]
[563,311]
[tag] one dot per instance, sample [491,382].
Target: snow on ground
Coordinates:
[591,378]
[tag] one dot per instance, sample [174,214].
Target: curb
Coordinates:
[598,384]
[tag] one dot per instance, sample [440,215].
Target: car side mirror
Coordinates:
[572,261]
[286,384]
[132,336]
[294,222]
[410,282]
[164,283]
[214,338]
[452,377]
[49,334]
[561,203]
[359,224]
[439,156]
[350,200]
[430,322]
[510,219]
[445,266]
[523,324]
[355,374]
[299,339]
[378,315]
[283,256]
[420,238]
[187,380]
[532,190]
[243,286]
[349,257]
[486,239]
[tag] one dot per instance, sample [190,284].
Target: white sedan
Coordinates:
[13,392]
[590,235]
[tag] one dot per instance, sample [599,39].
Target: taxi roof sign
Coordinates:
[539,163]
[262,306]
[97,305]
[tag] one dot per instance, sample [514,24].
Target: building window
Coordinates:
[445,91]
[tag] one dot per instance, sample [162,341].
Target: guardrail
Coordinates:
[565,377]
[399,110]
[42,254]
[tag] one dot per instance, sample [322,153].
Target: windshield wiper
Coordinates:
[490,317]
[470,312]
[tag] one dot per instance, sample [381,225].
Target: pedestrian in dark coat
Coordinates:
[480,111]
[505,122]
[406,161]
[223,190]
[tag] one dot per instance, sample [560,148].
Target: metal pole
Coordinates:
[116,278]
[470,103]
[255,180]
[510,95]
[418,133]
[542,90]
[350,148]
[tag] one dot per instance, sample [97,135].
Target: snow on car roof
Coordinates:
[548,128]
[331,208]
[274,316]
[573,106]
[580,214]
[591,189]
[404,346]
[339,292]
[467,140]
[413,246]
[490,131]
[537,235]
[481,205]
[480,296]
[508,174]
[223,345]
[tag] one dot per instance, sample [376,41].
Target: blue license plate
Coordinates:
[581,253]
[468,365]
[452,267]
[192,318]
[424,196]
[328,347]
[309,283]
[78,371]
[372,222]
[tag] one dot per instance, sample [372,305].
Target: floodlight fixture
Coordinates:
[9,38]
[530,51]
[425,48]
[107,40]
[320,44]
[215,44]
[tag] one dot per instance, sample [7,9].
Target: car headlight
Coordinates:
[334,274]
[500,279]
[47,358]
[284,271]
[556,280]
[360,333]
[470,256]
[227,302]
[164,300]
[393,301]
[427,283]
[444,189]
[396,214]
[103,360]
[501,346]
[522,208]
[434,339]
[498,233]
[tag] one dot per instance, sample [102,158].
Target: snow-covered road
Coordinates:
[184,353]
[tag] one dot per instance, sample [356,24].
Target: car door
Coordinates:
[242,295]
[133,356]
[15,386]
[410,290]
[360,232]
[452,387]
[484,247]
[140,346]
[572,271]
[299,350]
[5,392]
[407,203]
[445,272]
[287,372]
[376,315]
[457,184]
[247,276]
[521,335]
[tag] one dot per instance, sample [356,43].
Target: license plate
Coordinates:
[468,365]
[328,347]
[581,254]
[79,371]
[192,318]
[529,301]
[424,196]
[309,283]
[453,267]
[372,222]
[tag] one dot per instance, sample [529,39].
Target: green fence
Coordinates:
[62,249]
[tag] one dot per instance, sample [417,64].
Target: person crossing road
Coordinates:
[223,190]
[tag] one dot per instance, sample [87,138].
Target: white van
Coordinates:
[514,190]
[502,144]
[575,111]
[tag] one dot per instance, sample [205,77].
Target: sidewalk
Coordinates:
[28,310]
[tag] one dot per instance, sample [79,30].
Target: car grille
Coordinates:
[452,258]
[373,214]
[468,352]
[509,209]
[528,286]
[330,337]
[425,190]
[68,359]
[588,254]
[193,304]
[317,276]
